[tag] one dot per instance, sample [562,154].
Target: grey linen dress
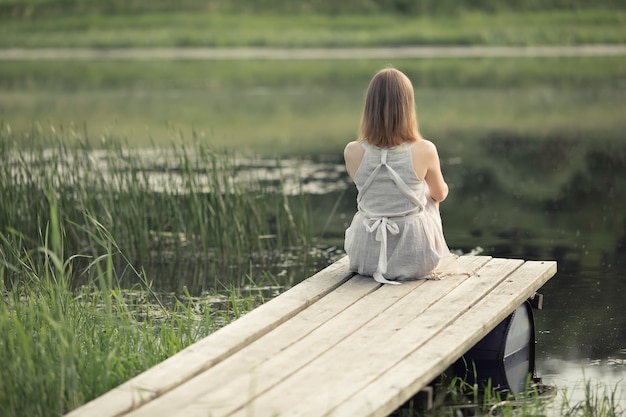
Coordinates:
[396,233]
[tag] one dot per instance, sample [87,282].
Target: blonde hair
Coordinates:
[389,117]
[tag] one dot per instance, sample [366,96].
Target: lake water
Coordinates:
[551,200]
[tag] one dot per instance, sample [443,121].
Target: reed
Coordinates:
[599,401]
[63,345]
[455,397]
[112,261]
[188,213]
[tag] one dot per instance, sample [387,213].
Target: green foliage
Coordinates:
[184,213]
[454,397]
[52,7]
[62,346]
[598,401]
[74,326]
[207,29]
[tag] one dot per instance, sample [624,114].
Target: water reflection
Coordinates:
[574,378]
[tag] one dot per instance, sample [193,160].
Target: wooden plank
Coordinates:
[216,347]
[236,392]
[388,391]
[275,370]
[238,369]
[239,383]
[343,371]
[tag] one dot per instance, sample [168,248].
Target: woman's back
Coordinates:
[383,196]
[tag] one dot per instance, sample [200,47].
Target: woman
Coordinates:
[396,233]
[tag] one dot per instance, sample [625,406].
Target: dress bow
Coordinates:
[382,226]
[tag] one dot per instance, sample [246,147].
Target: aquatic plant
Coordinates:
[63,344]
[112,260]
[454,397]
[187,215]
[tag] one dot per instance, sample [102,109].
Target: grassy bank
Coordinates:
[428,7]
[184,28]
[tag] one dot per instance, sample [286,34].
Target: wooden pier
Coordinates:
[337,344]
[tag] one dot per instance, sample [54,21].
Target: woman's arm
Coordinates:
[425,157]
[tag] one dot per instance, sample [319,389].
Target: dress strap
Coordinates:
[372,177]
[383,156]
[395,177]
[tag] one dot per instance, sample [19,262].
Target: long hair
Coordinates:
[389,117]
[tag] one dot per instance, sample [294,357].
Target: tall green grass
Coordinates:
[598,401]
[112,261]
[62,345]
[184,214]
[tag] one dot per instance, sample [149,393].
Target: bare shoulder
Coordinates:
[425,146]
[353,154]
[353,151]
[353,147]
[425,152]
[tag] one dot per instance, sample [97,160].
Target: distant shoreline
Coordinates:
[409,52]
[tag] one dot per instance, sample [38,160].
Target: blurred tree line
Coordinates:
[38,8]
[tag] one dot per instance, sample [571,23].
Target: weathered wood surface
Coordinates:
[333,345]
